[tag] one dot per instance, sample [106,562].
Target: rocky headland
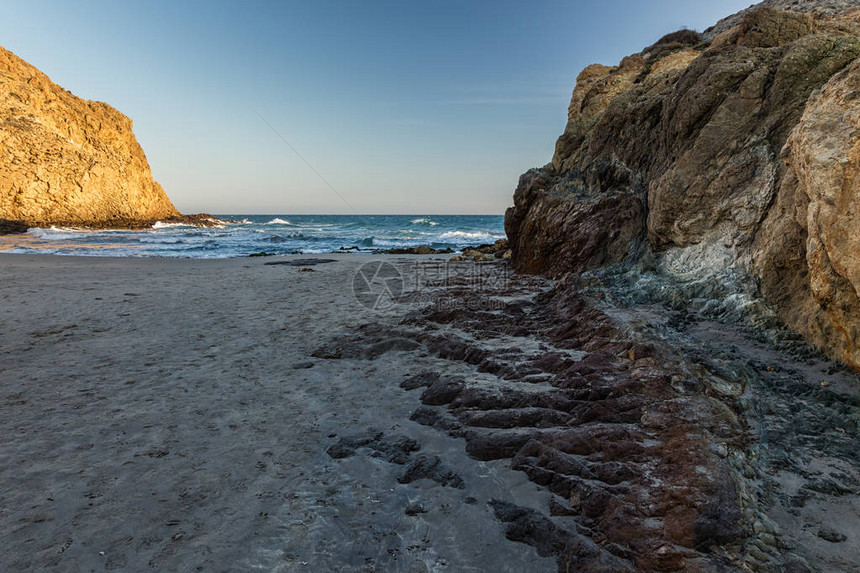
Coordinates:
[725,163]
[71,162]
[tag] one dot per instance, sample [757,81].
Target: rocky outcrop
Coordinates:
[662,441]
[733,150]
[821,7]
[807,252]
[66,160]
[12,227]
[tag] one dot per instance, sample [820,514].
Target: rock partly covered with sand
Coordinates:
[67,160]
[733,152]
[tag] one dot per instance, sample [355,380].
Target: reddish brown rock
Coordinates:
[558,234]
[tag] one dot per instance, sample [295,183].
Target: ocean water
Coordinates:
[281,234]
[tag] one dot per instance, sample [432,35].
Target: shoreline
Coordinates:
[265,236]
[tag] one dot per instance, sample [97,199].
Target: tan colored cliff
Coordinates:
[65,160]
[736,150]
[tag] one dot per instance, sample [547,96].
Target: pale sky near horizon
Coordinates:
[403,107]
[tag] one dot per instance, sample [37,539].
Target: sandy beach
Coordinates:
[168,415]
[255,414]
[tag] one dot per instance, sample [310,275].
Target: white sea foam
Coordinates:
[163,225]
[309,234]
[59,233]
[423,222]
[478,236]
[161,240]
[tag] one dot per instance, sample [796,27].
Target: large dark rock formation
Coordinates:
[737,150]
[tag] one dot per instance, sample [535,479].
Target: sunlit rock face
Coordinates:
[66,160]
[732,151]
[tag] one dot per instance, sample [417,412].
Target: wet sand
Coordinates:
[169,415]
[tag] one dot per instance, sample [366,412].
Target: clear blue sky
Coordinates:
[406,106]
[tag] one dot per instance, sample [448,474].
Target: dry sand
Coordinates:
[167,415]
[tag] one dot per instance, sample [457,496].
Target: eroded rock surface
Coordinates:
[670,441]
[733,152]
[67,160]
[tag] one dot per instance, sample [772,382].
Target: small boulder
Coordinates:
[442,392]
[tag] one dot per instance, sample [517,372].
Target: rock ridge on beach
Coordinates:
[68,161]
[667,440]
[727,160]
